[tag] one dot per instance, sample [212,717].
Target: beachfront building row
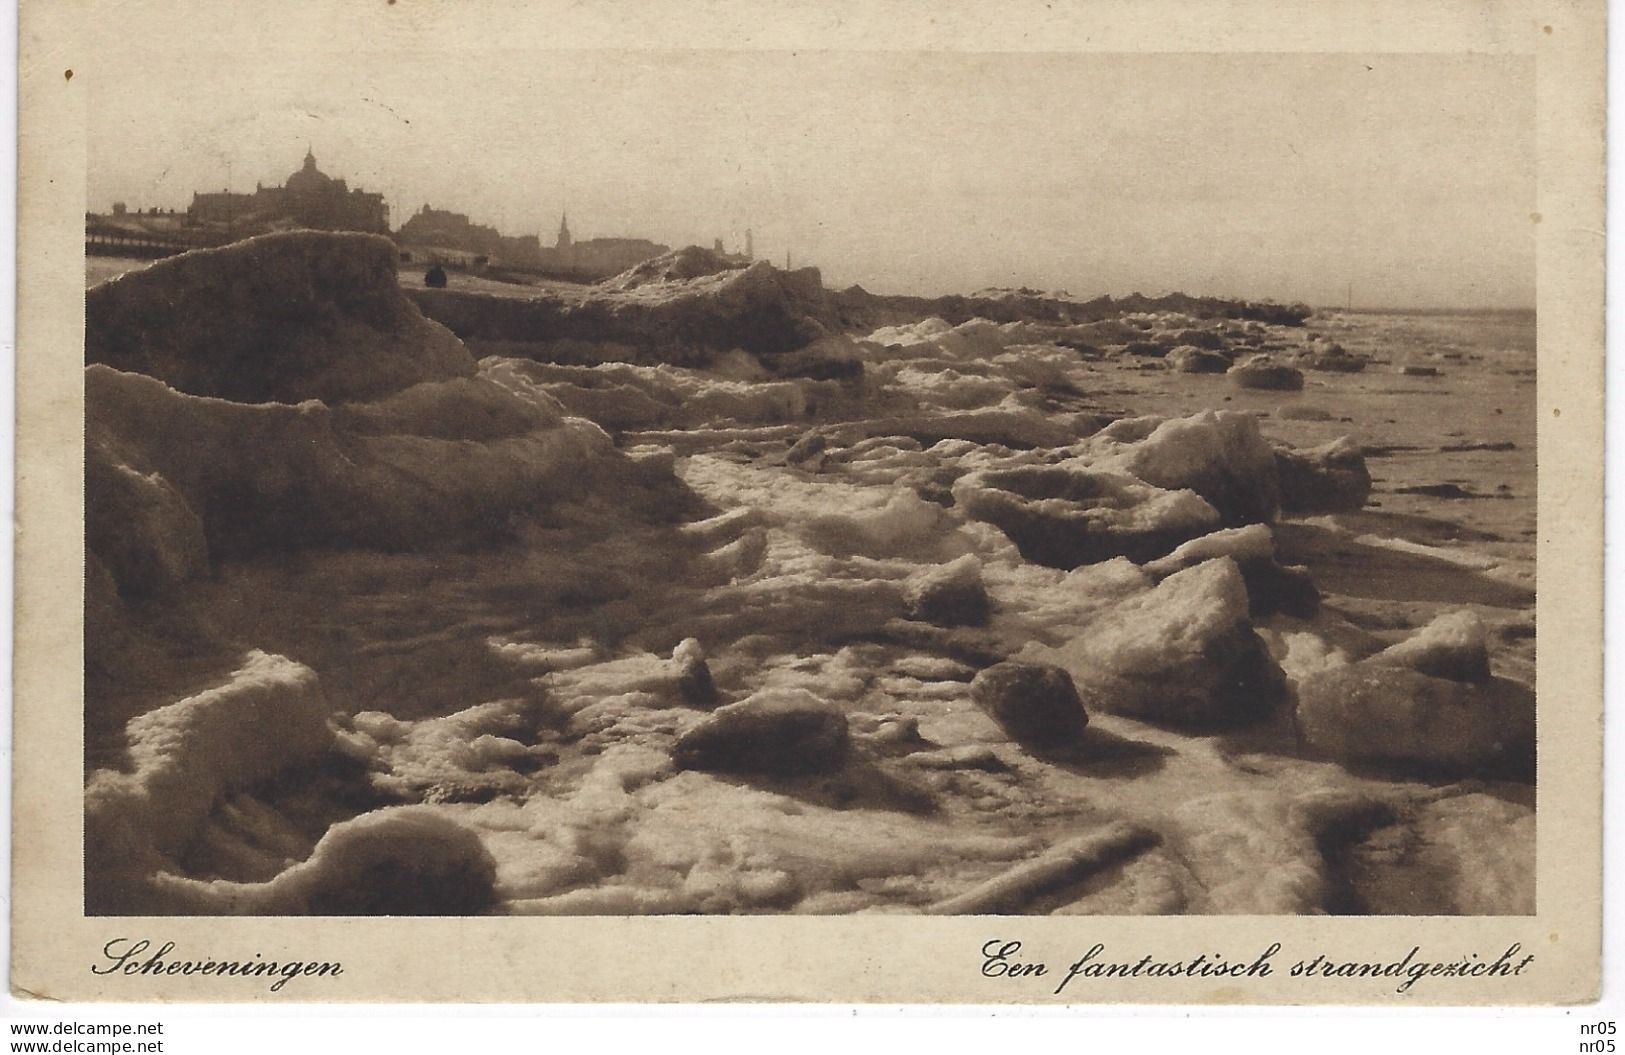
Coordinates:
[310,198]
[438,235]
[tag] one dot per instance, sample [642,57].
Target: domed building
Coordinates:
[309,198]
[309,181]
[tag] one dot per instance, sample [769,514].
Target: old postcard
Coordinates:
[1090,502]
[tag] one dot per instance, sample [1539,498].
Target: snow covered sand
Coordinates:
[757,602]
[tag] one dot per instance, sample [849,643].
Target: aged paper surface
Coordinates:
[642,850]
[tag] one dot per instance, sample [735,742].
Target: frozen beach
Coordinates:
[711,590]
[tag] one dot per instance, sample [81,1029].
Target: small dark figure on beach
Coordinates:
[435,277]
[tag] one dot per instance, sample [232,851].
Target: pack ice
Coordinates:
[710,590]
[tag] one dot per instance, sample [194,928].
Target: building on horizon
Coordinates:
[595,258]
[440,236]
[309,198]
[443,236]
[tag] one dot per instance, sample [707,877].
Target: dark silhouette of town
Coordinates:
[313,200]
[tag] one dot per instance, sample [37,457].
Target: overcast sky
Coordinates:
[1292,177]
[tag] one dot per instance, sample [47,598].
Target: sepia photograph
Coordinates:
[853,505]
[1107,488]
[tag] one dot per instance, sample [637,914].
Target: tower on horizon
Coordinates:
[750,246]
[564,231]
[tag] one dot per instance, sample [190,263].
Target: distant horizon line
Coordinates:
[472,217]
[1436,309]
[1051,291]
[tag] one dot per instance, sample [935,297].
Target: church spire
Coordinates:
[564,230]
